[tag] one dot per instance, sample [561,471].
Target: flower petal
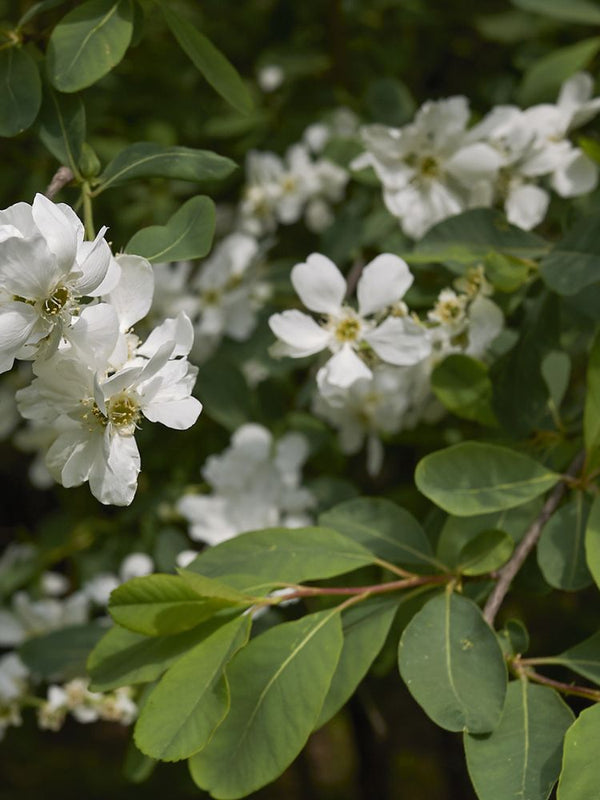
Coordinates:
[526,206]
[384,280]
[344,368]
[132,297]
[113,478]
[319,284]
[57,230]
[302,335]
[400,341]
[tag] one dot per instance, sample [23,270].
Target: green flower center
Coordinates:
[54,304]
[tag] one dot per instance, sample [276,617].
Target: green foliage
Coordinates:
[149,160]
[561,549]
[578,779]
[88,42]
[383,527]
[20,91]
[61,653]
[209,60]
[522,756]
[296,661]
[476,478]
[453,666]
[574,262]
[188,234]
[463,385]
[62,127]
[580,11]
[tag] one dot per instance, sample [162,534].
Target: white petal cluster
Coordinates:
[75,698]
[435,166]
[379,328]
[68,305]
[255,483]
[281,191]
[378,380]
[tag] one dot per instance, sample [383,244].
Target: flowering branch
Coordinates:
[508,572]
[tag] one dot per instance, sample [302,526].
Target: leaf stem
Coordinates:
[526,545]
[378,588]
[522,669]
[88,214]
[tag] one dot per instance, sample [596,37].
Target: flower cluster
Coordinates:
[437,166]
[377,381]
[69,306]
[75,698]
[255,483]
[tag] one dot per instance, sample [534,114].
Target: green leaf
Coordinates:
[556,371]
[20,91]
[507,273]
[580,11]
[62,127]
[88,42]
[476,478]
[365,628]
[382,527]
[543,80]
[561,548]
[38,8]
[574,262]
[214,590]
[61,654]
[592,541]
[123,657]
[281,555]
[188,234]
[389,102]
[158,605]
[583,658]
[192,698]
[591,412]
[469,237]
[514,638]
[217,70]
[463,386]
[453,666]
[520,392]
[457,532]
[579,776]
[486,552]
[150,160]
[291,663]
[521,758]
[137,767]
[224,394]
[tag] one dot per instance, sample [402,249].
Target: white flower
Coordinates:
[14,677]
[344,331]
[29,617]
[96,413]
[270,77]
[428,169]
[255,484]
[45,268]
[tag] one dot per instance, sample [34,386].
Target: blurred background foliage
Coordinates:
[382,59]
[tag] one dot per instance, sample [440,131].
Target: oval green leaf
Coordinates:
[486,552]
[188,234]
[150,160]
[591,411]
[61,654]
[592,541]
[543,80]
[293,662]
[158,605]
[574,262]
[382,527]
[463,386]
[520,760]
[20,91]
[88,42]
[476,478]
[62,127]
[365,628]
[583,658]
[561,548]
[579,776]
[581,11]
[192,698]
[453,666]
[217,70]
[123,657]
[282,555]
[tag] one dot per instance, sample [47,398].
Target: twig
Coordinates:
[526,545]
[378,588]
[61,178]
[521,668]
